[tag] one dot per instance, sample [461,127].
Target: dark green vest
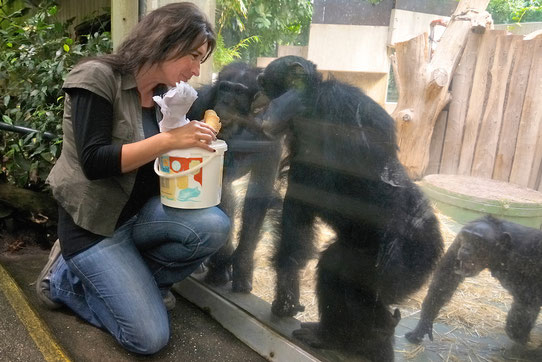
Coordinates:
[96,205]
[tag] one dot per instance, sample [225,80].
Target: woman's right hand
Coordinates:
[192,134]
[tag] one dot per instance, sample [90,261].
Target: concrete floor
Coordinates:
[197,336]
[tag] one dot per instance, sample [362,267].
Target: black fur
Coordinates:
[344,169]
[234,98]
[513,254]
[231,96]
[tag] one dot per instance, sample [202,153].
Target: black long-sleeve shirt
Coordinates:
[92,120]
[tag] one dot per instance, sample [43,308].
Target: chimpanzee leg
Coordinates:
[352,316]
[520,321]
[220,263]
[260,192]
[294,250]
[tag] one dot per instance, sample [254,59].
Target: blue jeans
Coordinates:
[118,283]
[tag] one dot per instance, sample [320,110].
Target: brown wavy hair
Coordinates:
[169,32]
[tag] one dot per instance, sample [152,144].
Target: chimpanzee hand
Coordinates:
[424,327]
[281,110]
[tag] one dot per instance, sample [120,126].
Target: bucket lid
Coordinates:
[219,145]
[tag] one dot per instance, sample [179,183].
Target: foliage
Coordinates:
[515,11]
[224,55]
[531,11]
[253,28]
[37,53]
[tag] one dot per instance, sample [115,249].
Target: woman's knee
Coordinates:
[220,221]
[219,225]
[149,338]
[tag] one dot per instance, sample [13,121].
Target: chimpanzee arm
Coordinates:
[281,110]
[443,285]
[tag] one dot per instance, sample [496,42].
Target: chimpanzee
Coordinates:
[513,254]
[235,98]
[231,96]
[344,169]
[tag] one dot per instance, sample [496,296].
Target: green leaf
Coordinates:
[66,48]
[9,44]
[6,100]
[7,119]
[47,156]
[21,161]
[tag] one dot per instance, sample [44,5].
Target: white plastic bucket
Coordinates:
[191,178]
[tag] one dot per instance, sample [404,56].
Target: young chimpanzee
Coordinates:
[513,254]
[234,96]
[344,169]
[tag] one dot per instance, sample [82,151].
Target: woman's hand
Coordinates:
[193,134]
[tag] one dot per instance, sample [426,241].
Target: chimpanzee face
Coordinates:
[477,242]
[286,81]
[471,256]
[233,98]
[272,80]
[289,72]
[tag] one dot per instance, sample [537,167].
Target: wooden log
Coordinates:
[490,126]
[40,206]
[435,150]
[519,79]
[461,87]
[530,126]
[477,101]
[423,83]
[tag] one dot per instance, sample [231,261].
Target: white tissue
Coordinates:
[174,106]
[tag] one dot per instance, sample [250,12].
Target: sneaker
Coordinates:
[169,300]
[43,283]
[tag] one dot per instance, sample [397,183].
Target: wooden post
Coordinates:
[477,101]
[124,15]
[423,83]
[512,113]
[435,151]
[529,140]
[491,122]
[461,86]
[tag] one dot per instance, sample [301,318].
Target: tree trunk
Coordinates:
[423,82]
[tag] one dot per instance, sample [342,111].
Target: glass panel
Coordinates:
[351,229]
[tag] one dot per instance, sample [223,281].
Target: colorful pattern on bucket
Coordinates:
[184,188]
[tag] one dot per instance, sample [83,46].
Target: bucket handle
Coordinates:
[182,173]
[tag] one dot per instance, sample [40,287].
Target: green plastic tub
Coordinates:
[465,198]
